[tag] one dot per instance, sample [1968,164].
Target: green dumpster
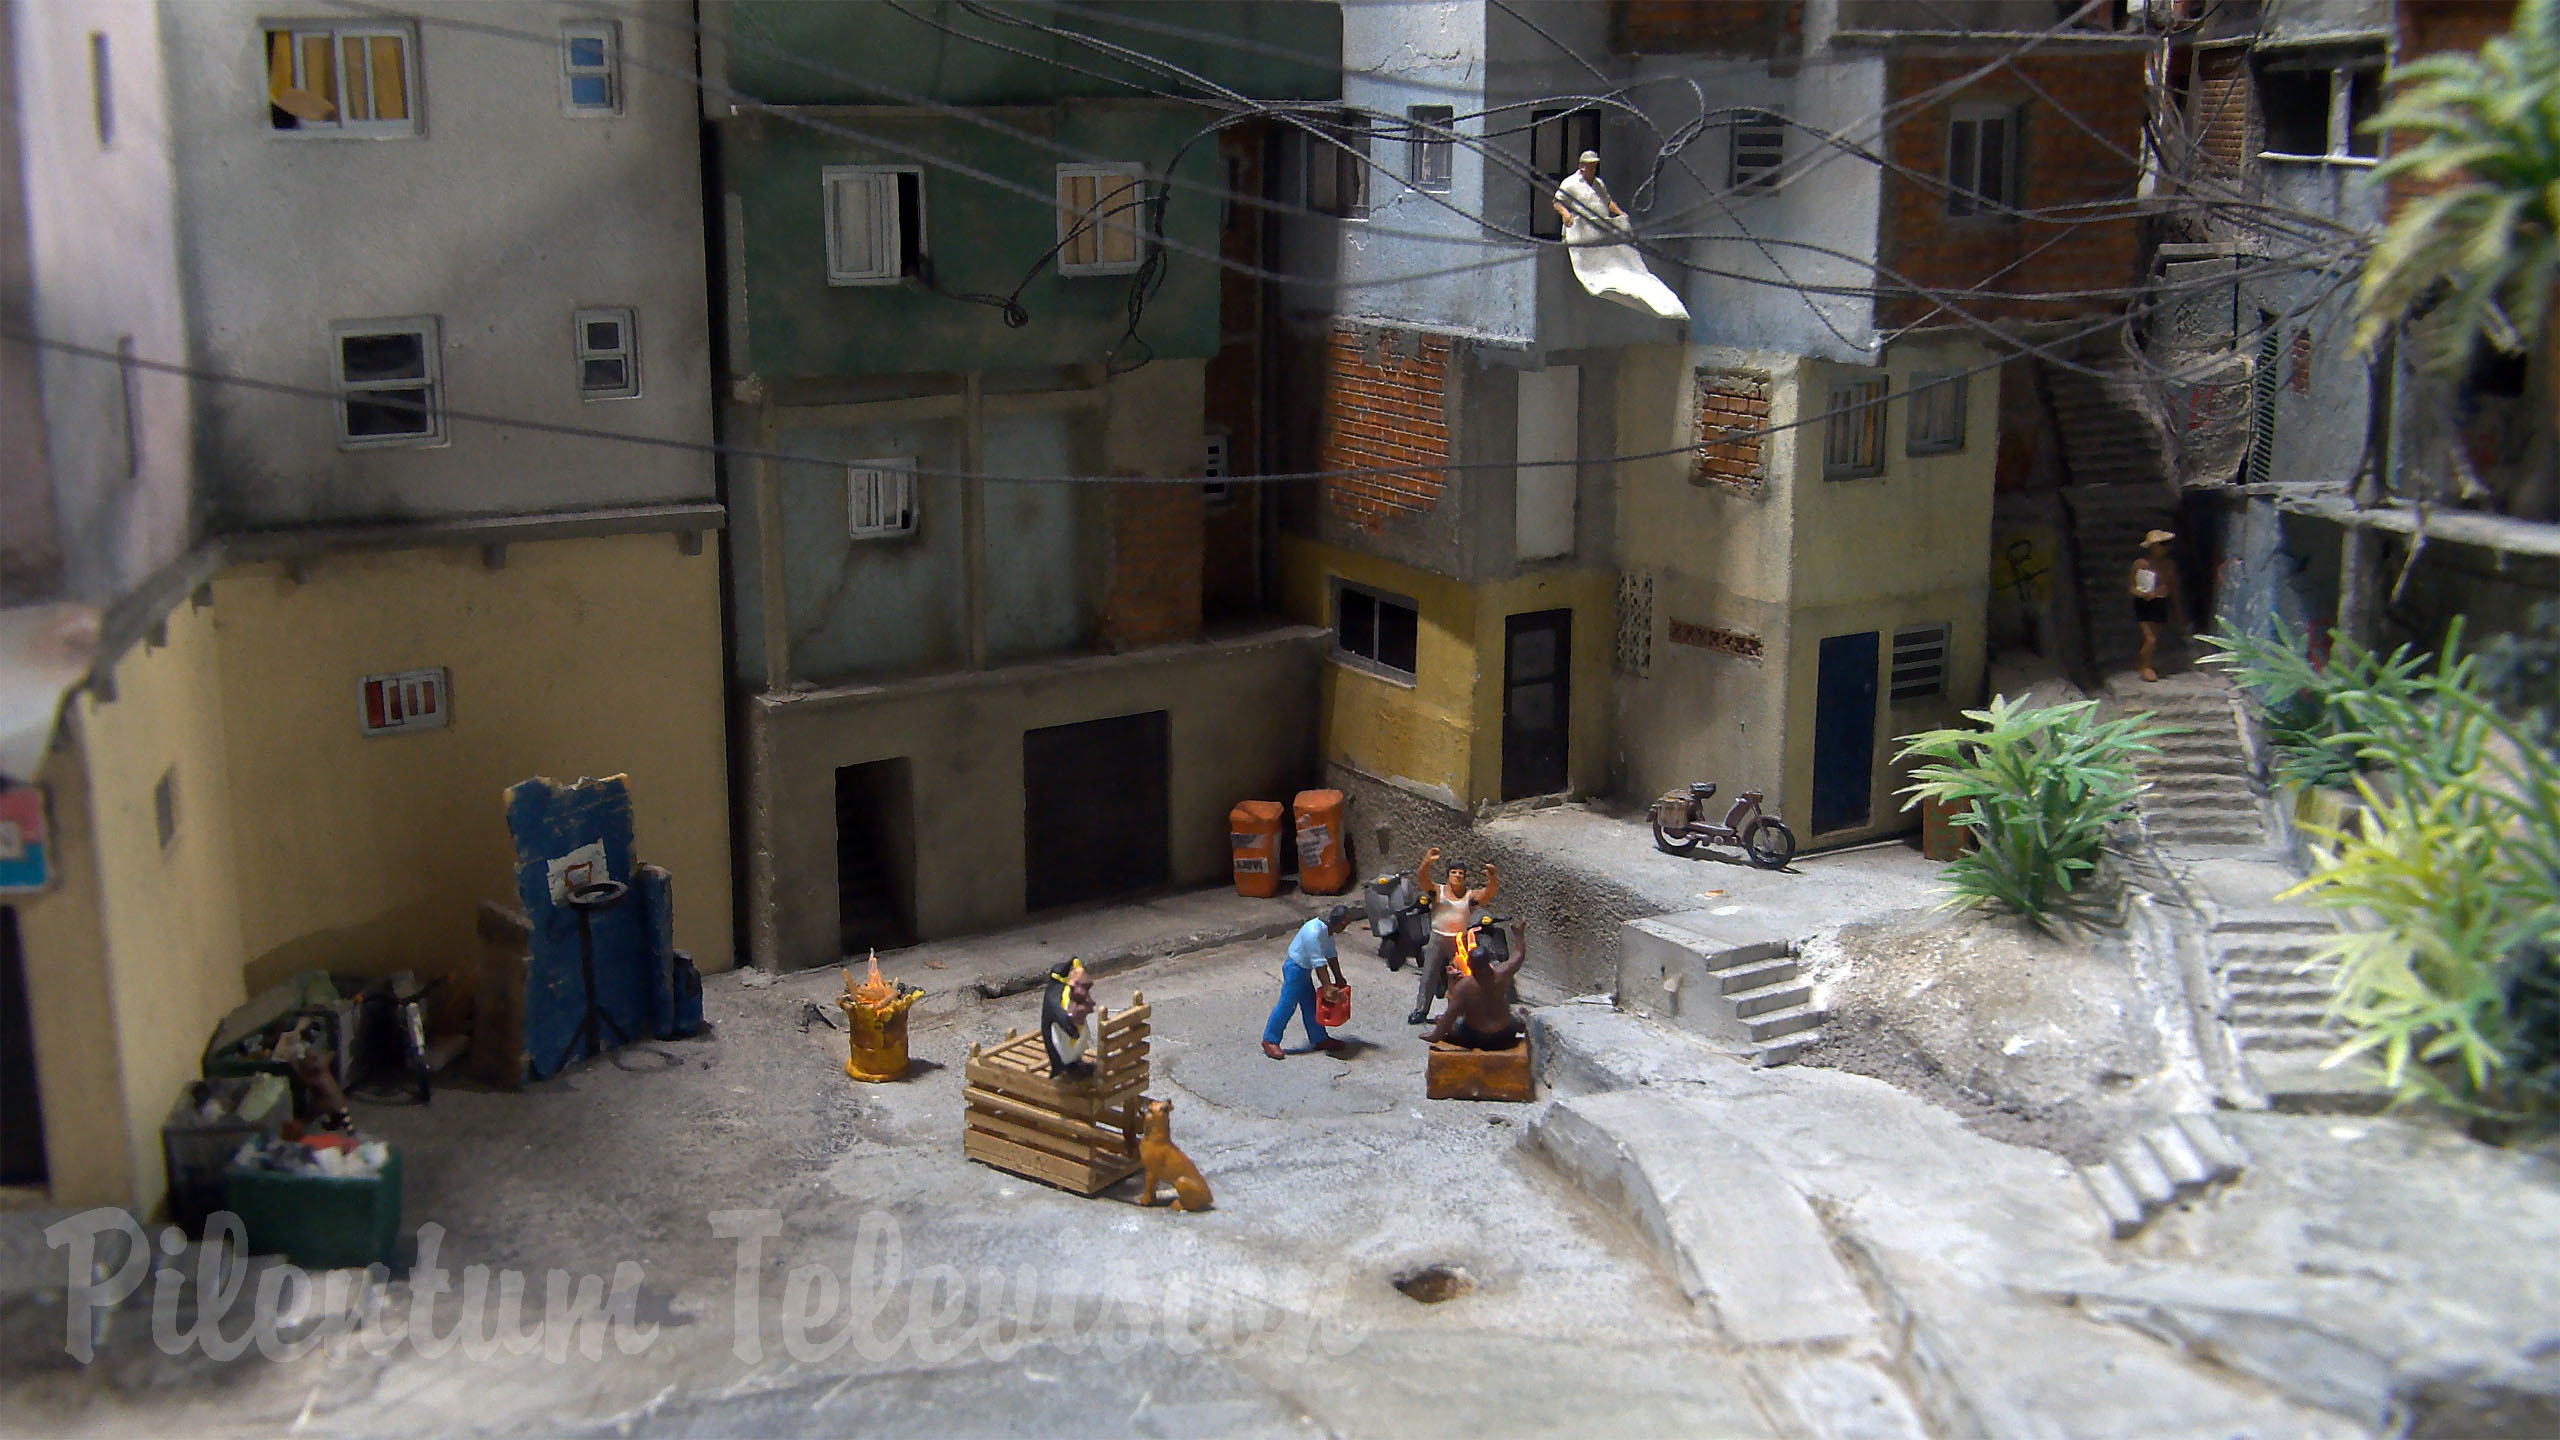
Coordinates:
[319,1222]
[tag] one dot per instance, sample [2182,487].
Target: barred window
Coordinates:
[1853,436]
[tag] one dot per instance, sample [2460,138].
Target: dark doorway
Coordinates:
[1537,702]
[1096,810]
[1844,732]
[876,855]
[21,1117]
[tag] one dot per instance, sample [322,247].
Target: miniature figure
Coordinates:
[2155,587]
[1063,1012]
[875,1014]
[1453,907]
[1596,234]
[1166,1164]
[1310,950]
[1480,1014]
[324,1103]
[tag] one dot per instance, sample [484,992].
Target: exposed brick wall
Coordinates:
[2061,165]
[1385,403]
[2219,114]
[1705,27]
[2426,29]
[1731,400]
[1156,542]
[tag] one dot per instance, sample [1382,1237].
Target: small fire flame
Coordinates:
[874,991]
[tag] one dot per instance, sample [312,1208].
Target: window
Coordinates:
[1102,213]
[1337,151]
[2313,105]
[2259,467]
[875,223]
[400,701]
[1919,662]
[128,380]
[1982,155]
[1216,462]
[591,68]
[1557,139]
[608,355]
[387,383]
[1375,628]
[1759,149]
[342,80]
[1935,425]
[1853,434]
[102,90]
[880,498]
[1429,150]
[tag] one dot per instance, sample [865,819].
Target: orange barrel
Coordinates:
[1253,830]
[1323,866]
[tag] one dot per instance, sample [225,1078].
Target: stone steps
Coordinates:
[1697,971]
[2146,1173]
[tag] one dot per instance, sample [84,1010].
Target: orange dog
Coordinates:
[1167,1165]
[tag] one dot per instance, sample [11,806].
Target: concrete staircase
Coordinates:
[2198,790]
[2274,989]
[2119,488]
[2107,526]
[2148,1172]
[1704,973]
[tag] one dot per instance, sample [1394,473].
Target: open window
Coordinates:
[348,81]
[1376,631]
[1982,160]
[1102,215]
[875,223]
[1557,139]
[2314,103]
[1430,150]
[880,498]
[1337,165]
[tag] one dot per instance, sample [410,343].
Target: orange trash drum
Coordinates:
[1324,867]
[1253,830]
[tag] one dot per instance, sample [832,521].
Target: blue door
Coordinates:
[1844,732]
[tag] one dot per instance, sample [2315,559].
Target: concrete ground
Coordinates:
[1274,1313]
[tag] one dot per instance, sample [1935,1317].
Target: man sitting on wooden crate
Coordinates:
[1066,1010]
[1480,1014]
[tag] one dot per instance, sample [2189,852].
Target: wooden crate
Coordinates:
[1455,1072]
[1078,1135]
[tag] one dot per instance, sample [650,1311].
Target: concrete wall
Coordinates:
[93,259]
[1242,715]
[501,218]
[373,854]
[136,957]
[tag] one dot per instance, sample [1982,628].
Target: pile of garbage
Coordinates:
[339,1155]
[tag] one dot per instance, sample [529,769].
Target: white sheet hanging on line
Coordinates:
[1610,271]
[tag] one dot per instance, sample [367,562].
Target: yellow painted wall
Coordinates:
[575,658]
[1443,729]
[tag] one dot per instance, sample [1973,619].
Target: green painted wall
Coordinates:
[979,236]
[822,52]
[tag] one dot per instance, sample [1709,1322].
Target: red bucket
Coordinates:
[1333,1005]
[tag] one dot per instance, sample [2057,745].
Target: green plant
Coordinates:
[2040,785]
[2452,882]
[2487,127]
[2311,711]
[2520,671]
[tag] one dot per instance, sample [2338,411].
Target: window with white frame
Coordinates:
[1982,160]
[880,498]
[591,68]
[875,223]
[349,81]
[389,386]
[1759,150]
[1102,213]
[1430,151]
[608,355]
[401,701]
[1853,431]
[1919,662]
[1935,423]
[1337,165]
[2314,104]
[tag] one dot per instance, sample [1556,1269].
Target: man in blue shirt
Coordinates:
[1309,951]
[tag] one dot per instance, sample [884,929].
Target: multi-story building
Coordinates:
[1791,565]
[972,262]
[451,470]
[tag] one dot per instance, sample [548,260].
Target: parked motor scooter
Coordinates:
[1400,918]
[1680,826]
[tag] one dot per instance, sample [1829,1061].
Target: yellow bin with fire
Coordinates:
[875,1014]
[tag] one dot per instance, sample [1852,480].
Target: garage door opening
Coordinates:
[1096,810]
[876,855]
